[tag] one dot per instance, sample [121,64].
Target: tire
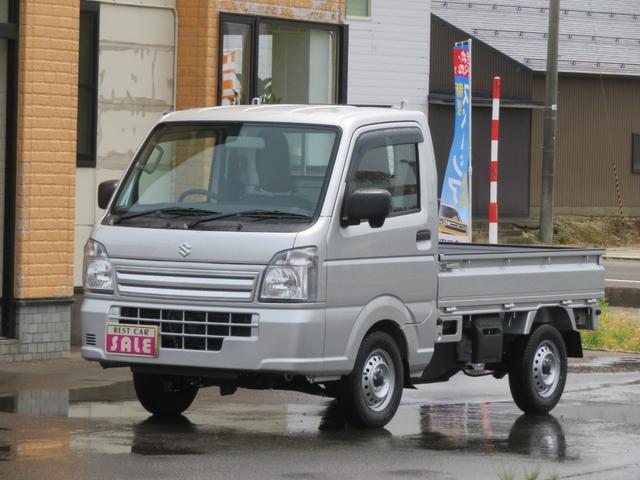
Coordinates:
[538,370]
[162,396]
[371,393]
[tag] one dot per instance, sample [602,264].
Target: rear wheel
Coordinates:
[163,396]
[538,370]
[370,395]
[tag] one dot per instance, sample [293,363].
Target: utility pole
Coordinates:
[550,114]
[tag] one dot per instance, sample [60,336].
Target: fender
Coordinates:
[562,318]
[385,307]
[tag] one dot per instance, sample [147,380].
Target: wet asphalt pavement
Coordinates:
[466,428]
[623,274]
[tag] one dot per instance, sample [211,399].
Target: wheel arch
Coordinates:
[559,317]
[564,320]
[387,314]
[522,323]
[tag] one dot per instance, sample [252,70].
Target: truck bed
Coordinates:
[477,277]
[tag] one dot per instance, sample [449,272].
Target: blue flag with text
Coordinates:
[455,200]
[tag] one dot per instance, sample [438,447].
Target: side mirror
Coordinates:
[105,192]
[372,204]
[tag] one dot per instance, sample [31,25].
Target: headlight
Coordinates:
[98,272]
[291,275]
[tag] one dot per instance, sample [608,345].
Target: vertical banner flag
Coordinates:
[455,201]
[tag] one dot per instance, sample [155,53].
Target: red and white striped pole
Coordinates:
[493,198]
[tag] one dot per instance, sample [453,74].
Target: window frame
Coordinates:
[359,17]
[385,137]
[635,153]
[254,22]
[10,31]
[89,160]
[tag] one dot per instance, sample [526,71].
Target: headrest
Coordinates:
[273,163]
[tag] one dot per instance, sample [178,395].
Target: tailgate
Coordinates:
[535,277]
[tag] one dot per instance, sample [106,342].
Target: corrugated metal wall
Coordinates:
[596,120]
[517,80]
[513,186]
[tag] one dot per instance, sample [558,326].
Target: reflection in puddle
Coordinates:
[478,427]
[491,428]
[60,402]
[146,441]
[5,453]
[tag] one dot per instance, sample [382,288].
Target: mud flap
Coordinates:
[573,343]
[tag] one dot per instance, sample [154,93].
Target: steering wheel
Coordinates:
[198,191]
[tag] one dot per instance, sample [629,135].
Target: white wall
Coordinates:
[135,87]
[389,54]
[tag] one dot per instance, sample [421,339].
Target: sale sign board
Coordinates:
[137,340]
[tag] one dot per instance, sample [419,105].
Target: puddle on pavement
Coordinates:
[112,422]
[472,428]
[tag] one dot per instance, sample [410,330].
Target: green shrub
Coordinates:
[617,330]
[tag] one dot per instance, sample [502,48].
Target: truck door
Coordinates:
[393,265]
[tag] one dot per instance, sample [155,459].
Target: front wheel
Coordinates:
[371,393]
[538,370]
[163,396]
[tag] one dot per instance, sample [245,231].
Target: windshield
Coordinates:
[449,213]
[209,176]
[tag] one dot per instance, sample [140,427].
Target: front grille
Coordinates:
[186,284]
[90,339]
[189,329]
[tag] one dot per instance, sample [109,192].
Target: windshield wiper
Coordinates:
[176,210]
[266,214]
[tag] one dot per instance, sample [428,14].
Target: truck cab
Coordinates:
[296,247]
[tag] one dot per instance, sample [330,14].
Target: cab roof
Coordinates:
[336,115]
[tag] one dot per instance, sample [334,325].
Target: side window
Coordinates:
[393,167]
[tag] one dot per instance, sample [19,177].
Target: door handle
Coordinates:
[423,236]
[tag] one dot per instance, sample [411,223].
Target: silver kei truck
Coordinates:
[296,247]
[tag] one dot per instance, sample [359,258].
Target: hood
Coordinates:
[256,248]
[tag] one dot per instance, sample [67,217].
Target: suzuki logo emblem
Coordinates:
[184,249]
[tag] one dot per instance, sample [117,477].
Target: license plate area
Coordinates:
[132,340]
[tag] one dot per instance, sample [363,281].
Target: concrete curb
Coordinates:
[623,297]
[630,254]
[621,259]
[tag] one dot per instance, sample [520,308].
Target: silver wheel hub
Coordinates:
[378,380]
[546,369]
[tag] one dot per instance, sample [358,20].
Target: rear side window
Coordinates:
[389,162]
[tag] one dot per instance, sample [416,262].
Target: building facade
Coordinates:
[389,52]
[82,82]
[39,66]
[598,101]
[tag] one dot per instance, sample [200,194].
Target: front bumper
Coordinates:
[286,340]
